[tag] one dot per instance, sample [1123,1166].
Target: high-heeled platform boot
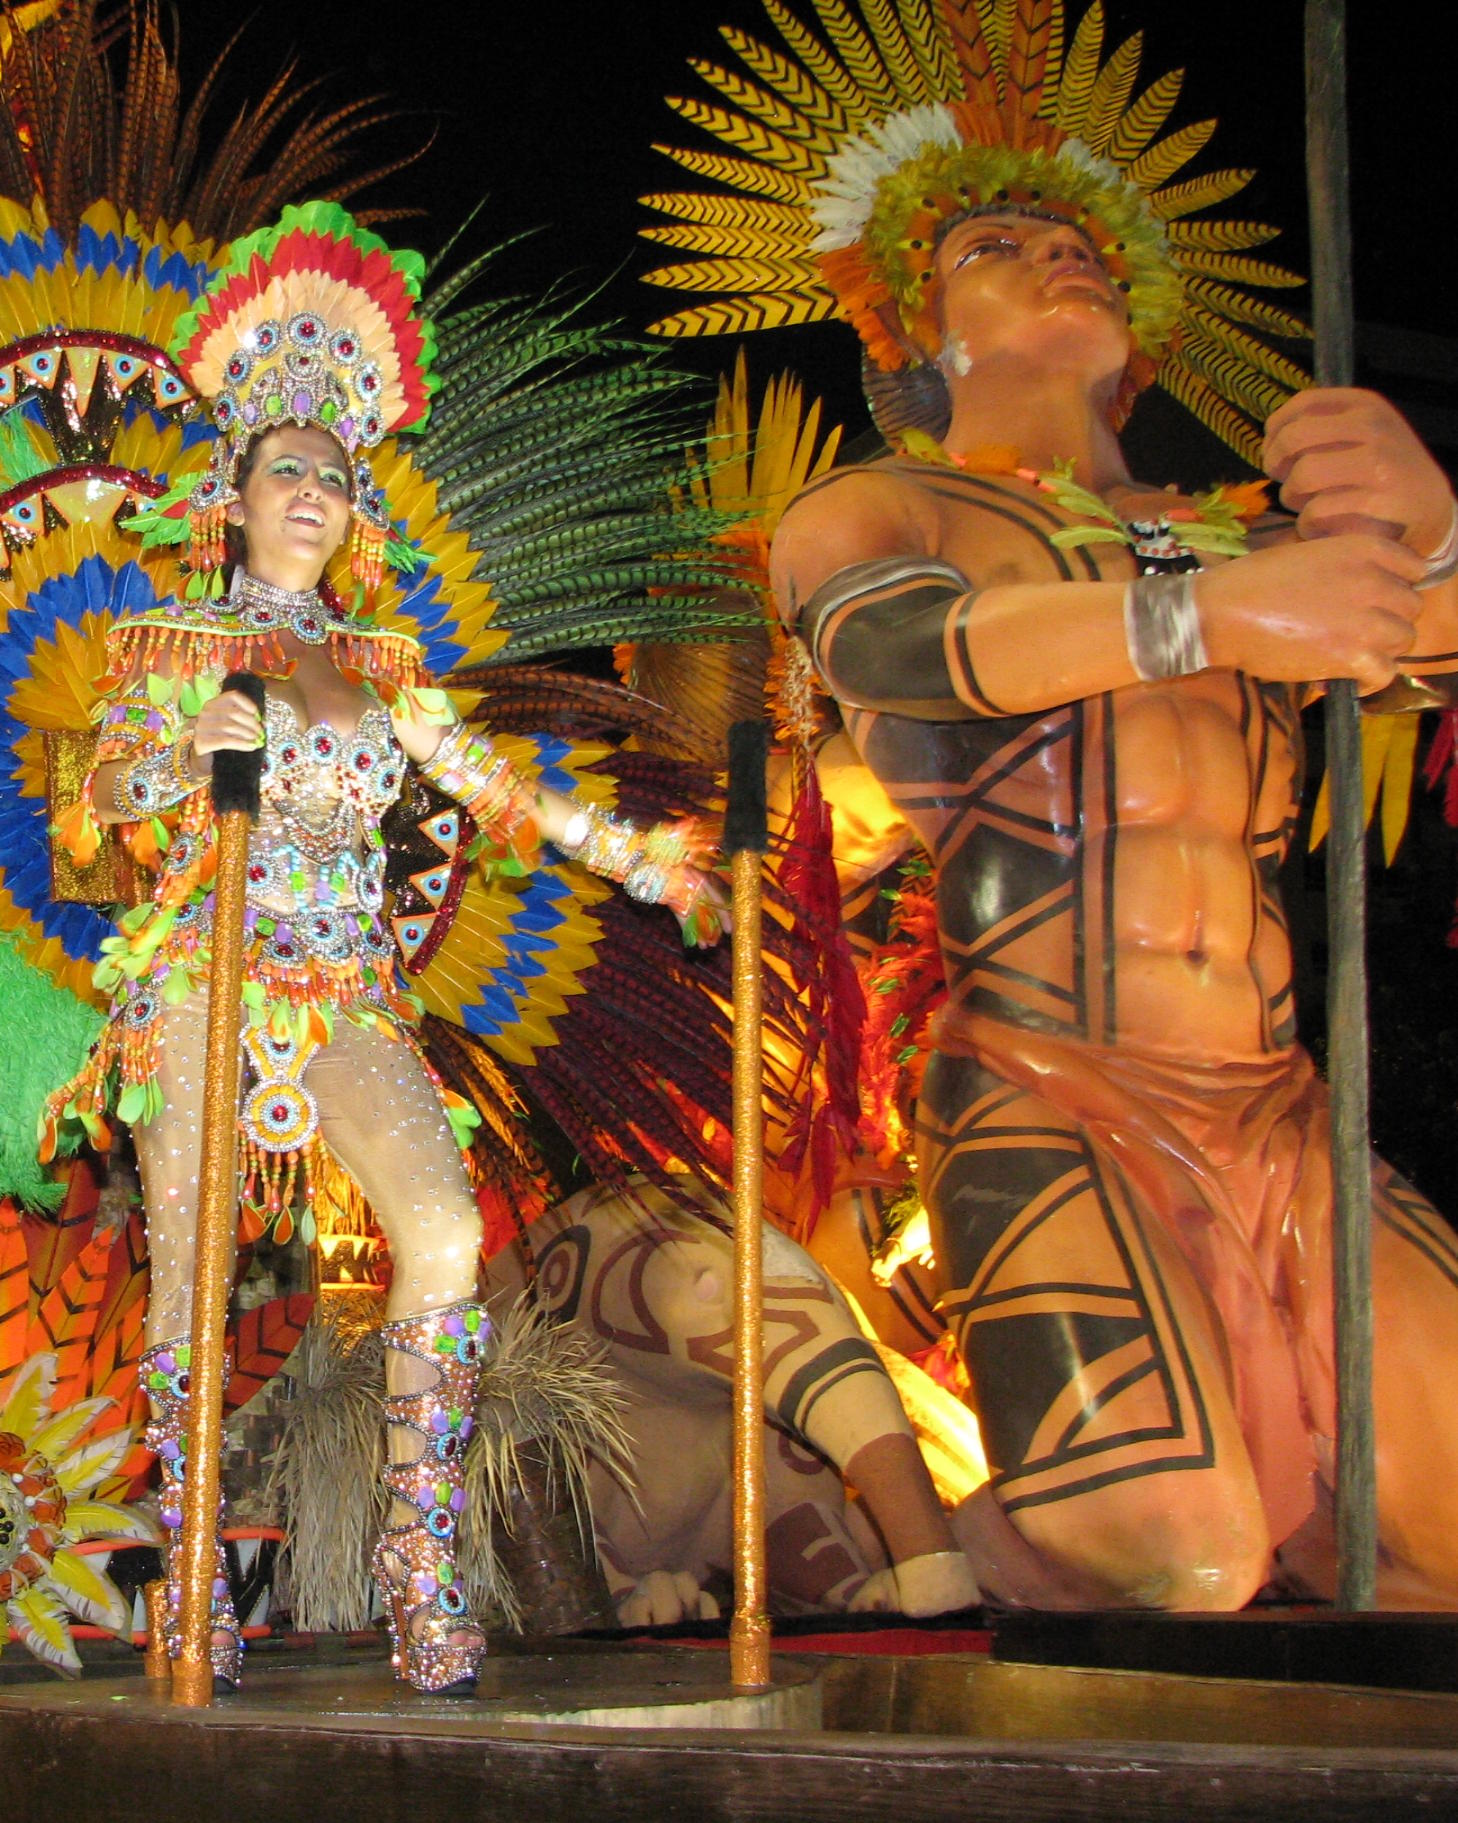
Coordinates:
[166,1379]
[415,1563]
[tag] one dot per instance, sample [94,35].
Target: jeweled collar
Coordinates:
[264,607]
[257,610]
[234,632]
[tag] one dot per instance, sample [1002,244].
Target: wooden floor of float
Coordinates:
[595,1733]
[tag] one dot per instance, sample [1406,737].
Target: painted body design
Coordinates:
[1121,1148]
[654,1283]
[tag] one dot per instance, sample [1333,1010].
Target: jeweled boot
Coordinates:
[415,1563]
[165,1375]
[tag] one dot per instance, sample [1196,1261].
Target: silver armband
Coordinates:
[1162,627]
[1444,561]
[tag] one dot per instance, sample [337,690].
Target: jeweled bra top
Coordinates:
[322,796]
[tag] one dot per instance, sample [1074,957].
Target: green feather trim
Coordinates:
[45,1035]
[558,448]
[21,458]
[164,520]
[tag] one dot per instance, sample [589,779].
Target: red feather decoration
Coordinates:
[824,1124]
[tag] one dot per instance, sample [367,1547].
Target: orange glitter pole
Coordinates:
[745,839]
[235,800]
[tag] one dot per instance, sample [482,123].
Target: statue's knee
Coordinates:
[1171,1540]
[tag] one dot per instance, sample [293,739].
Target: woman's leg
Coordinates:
[169,1148]
[383,1120]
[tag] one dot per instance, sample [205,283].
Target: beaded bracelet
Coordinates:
[161,778]
[653,865]
[467,768]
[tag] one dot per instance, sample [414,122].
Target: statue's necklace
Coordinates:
[1213,524]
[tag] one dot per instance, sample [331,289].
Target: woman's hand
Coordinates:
[228,722]
[705,915]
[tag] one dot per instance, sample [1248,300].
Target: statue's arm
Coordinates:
[893,625]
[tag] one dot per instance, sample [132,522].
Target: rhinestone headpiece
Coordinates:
[311,321]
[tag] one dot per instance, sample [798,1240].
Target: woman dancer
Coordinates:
[308,348]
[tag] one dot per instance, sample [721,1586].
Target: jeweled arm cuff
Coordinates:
[1162,627]
[1443,562]
[659,865]
[158,779]
[469,770]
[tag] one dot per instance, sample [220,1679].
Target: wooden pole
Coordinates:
[1347,1054]
[745,840]
[235,800]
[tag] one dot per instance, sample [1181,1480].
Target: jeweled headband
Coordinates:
[311,321]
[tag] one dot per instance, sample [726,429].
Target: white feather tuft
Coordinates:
[846,196]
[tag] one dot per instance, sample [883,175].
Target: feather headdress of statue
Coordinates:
[854,159]
[314,321]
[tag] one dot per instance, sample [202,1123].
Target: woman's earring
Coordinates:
[209,509]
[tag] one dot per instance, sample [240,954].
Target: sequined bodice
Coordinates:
[323,793]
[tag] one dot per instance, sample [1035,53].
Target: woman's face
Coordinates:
[293,509]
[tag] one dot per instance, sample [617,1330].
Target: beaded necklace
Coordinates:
[1212,524]
[265,607]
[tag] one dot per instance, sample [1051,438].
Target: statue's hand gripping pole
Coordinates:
[235,790]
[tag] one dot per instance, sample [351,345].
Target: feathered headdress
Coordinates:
[311,321]
[854,161]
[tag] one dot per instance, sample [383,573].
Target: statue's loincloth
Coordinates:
[1232,1162]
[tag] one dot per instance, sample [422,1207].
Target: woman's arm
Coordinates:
[173,756]
[663,864]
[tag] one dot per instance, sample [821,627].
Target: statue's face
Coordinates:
[295,502]
[1016,286]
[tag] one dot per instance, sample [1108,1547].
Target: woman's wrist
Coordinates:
[469,770]
[156,780]
[198,766]
[657,865]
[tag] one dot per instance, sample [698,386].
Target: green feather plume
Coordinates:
[559,447]
[45,1034]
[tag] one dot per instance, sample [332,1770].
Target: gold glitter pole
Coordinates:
[235,793]
[155,1661]
[744,838]
[217,1216]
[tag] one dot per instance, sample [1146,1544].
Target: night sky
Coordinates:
[551,120]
